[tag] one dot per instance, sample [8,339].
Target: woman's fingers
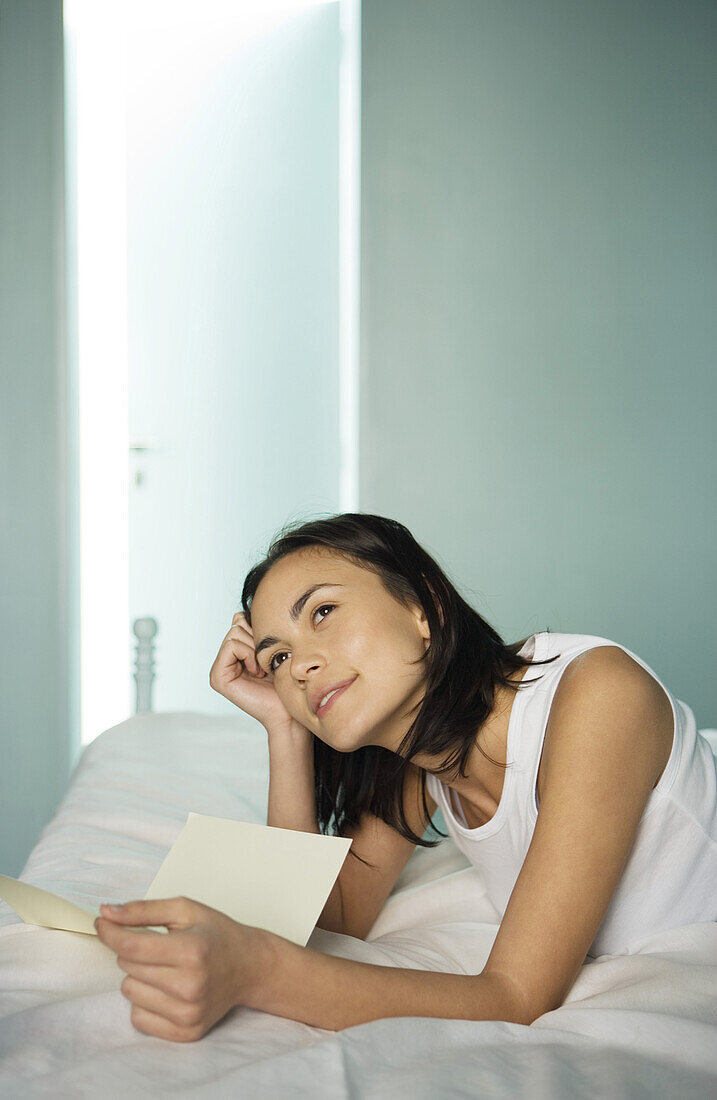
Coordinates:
[244,649]
[163,977]
[152,1024]
[235,657]
[242,633]
[238,645]
[139,946]
[155,1000]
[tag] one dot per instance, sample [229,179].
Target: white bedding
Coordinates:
[643,1024]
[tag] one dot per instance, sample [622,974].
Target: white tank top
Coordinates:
[670,878]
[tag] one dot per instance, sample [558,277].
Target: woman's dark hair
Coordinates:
[465,660]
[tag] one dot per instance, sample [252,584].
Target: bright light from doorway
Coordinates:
[96,41]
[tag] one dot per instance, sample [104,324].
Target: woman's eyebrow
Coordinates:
[295,610]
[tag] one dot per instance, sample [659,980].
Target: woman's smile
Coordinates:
[321,710]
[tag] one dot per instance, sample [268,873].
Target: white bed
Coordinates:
[643,1024]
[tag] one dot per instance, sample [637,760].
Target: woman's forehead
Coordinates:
[287,578]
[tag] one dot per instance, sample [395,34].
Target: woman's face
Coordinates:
[350,630]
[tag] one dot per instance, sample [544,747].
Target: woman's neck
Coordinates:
[483,778]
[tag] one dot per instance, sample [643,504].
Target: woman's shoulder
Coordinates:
[606,672]
[591,652]
[604,665]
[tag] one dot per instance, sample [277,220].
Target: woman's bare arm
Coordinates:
[334,993]
[292,801]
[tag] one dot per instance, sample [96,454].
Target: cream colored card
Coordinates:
[37,906]
[276,879]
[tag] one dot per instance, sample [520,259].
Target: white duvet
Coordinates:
[643,1024]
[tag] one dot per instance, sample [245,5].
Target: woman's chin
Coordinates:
[341,739]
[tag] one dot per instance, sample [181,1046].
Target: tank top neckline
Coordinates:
[496,821]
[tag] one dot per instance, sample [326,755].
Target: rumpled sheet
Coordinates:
[633,1025]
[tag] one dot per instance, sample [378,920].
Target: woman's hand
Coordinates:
[237,676]
[182,983]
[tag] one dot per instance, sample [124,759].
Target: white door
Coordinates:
[233,300]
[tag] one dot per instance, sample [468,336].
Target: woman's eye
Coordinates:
[272,667]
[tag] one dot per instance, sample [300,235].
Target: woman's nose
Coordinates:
[301,667]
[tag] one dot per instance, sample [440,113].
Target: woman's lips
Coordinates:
[327,706]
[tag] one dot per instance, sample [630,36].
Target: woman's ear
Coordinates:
[423,625]
[422,618]
[436,603]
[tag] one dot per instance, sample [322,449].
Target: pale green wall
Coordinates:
[538,313]
[38,733]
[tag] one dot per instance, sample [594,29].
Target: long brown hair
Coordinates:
[465,661]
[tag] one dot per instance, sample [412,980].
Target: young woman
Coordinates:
[563,767]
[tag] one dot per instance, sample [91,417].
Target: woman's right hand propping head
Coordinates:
[237,676]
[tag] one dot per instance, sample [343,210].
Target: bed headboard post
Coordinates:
[145,630]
